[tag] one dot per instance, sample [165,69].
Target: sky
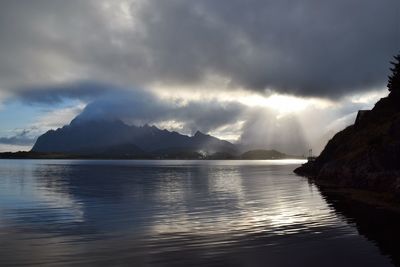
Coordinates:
[269,74]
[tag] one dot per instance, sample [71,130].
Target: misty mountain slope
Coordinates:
[104,136]
[212,144]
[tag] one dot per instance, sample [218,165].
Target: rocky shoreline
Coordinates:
[364,156]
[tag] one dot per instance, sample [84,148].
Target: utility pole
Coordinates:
[310,156]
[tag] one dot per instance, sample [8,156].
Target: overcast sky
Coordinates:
[277,74]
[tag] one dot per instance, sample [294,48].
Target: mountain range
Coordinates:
[103,137]
[95,138]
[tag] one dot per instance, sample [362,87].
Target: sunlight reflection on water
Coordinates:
[171,213]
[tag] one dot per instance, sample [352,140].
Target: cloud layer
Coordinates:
[307,48]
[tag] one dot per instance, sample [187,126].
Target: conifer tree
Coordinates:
[394,78]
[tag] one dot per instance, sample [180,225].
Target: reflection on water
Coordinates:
[378,225]
[241,213]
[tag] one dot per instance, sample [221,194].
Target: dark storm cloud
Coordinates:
[53,94]
[309,47]
[305,47]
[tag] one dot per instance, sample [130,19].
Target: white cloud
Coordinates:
[57,118]
[13,148]
[368,98]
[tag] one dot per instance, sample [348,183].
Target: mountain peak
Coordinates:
[198,134]
[78,120]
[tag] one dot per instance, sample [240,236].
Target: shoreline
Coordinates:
[235,159]
[49,156]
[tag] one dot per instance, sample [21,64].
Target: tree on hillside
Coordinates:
[394,78]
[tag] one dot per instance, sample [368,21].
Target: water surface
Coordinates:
[172,213]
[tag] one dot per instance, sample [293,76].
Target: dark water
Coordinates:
[174,213]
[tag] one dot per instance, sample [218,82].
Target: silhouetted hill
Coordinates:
[365,155]
[115,138]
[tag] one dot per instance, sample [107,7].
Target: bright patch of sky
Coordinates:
[30,121]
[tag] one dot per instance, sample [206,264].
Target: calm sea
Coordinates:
[173,213]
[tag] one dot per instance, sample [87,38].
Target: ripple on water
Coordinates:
[171,213]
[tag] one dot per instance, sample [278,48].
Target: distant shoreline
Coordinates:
[127,158]
[192,156]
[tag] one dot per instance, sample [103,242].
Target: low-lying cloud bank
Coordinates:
[140,107]
[20,139]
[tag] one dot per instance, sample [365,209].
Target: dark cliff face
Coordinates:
[364,155]
[98,136]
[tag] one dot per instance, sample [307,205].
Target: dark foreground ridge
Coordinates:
[365,155]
